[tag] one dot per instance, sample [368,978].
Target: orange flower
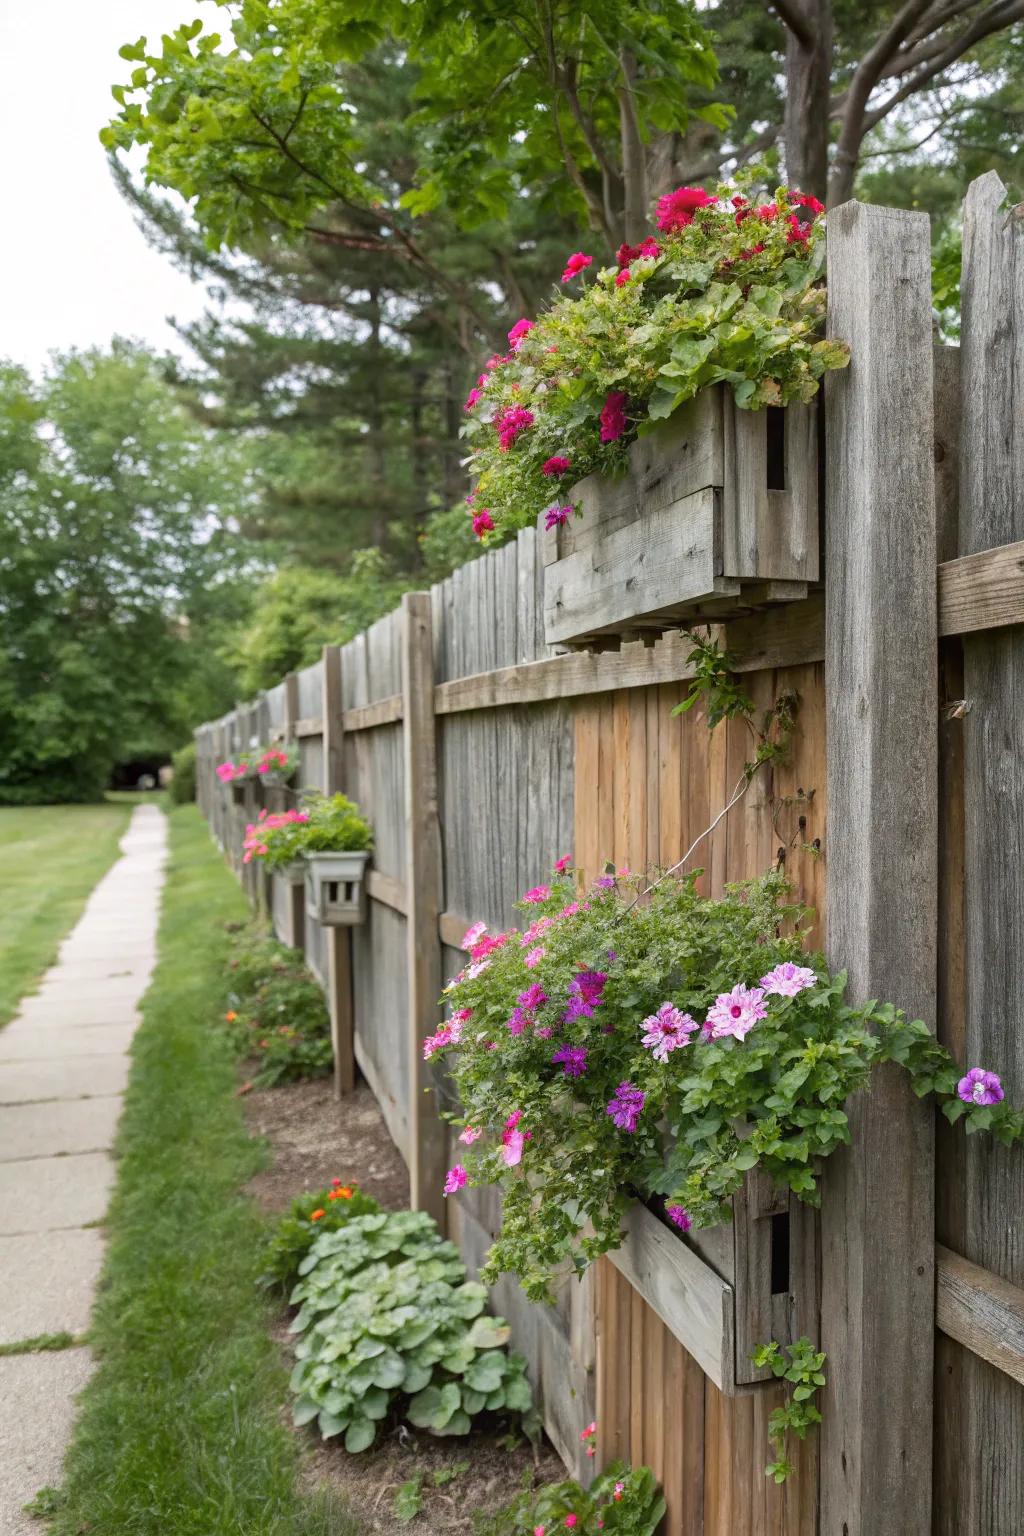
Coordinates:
[344,1193]
[264,1044]
[316,1216]
[230,1017]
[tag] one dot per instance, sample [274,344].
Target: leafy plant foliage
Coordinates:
[277,1012]
[800,1365]
[622,1499]
[387,1319]
[325,1210]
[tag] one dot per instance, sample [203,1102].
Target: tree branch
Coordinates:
[791,16]
[995,19]
[865,78]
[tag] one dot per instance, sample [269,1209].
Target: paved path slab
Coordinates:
[57,1126]
[63,1068]
[37,1410]
[50,1282]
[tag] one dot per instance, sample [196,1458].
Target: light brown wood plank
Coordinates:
[982,591]
[386,889]
[382,712]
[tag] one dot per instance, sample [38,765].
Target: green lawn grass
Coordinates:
[51,857]
[181,1430]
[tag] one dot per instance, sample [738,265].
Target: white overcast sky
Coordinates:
[74,268]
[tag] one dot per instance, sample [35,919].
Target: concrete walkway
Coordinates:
[63,1069]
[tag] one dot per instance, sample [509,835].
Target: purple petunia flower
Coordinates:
[625,1108]
[980,1087]
[533,996]
[555,516]
[518,1021]
[679,1217]
[787,979]
[573,1060]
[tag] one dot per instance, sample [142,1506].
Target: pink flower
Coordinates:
[679,1217]
[512,1144]
[538,1530]
[613,416]
[623,277]
[538,893]
[518,333]
[767,212]
[798,233]
[437,1041]
[518,1021]
[470,1134]
[804,200]
[544,1032]
[576,263]
[787,979]
[589,1432]
[534,957]
[676,209]
[225,772]
[562,864]
[483,522]
[555,516]
[456,1179]
[557,465]
[473,935]
[476,969]
[980,1087]
[666,1030]
[472,398]
[618,1491]
[512,421]
[533,997]
[751,251]
[627,253]
[736,1012]
[570,1521]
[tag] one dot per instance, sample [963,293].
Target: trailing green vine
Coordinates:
[800,1365]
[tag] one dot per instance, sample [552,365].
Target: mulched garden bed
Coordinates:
[313,1139]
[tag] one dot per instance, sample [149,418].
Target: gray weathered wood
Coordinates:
[770,533]
[878,1210]
[689,1297]
[427,1138]
[992,515]
[982,591]
[338,941]
[980,1311]
[382,712]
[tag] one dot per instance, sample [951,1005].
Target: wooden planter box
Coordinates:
[275,778]
[336,888]
[718,515]
[294,872]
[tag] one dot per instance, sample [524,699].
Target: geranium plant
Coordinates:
[235,770]
[622,1499]
[620,1048]
[323,824]
[274,838]
[728,290]
[277,761]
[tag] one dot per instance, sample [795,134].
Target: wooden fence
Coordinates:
[481,755]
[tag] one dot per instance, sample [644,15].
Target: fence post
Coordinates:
[992,513]
[878,1222]
[427,1134]
[339,940]
[296,893]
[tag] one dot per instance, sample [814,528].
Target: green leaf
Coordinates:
[360,1435]
[409,1500]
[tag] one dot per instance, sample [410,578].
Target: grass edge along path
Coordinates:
[53,856]
[181,1430]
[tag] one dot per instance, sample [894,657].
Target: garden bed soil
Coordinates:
[312,1139]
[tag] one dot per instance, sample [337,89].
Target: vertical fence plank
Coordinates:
[296,893]
[878,1210]
[427,1134]
[338,940]
[992,513]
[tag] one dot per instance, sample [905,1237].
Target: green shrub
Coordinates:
[277,1011]
[297,1231]
[623,1500]
[183,774]
[388,1319]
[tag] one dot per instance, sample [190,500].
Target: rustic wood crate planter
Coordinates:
[276,778]
[336,888]
[717,515]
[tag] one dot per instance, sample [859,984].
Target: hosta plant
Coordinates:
[388,1321]
[624,1500]
[660,1048]
[727,290]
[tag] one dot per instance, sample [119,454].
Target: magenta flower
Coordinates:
[605,882]
[554,517]
[470,1134]
[626,1107]
[623,277]
[514,420]
[544,1032]
[518,1021]
[513,1140]
[572,1059]
[472,398]
[787,979]
[562,864]
[456,1179]
[627,253]
[576,263]
[483,522]
[736,1012]
[537,894]
[533,996]
[437,1041]
[676,209]
[613,416]
[589,985]
[473,935]
[556,465]
[517,335]
[667,1029]
[534,957]
[980,1087]
[679,1217]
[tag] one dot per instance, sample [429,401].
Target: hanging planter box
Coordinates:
[716,516]
[275,778]
[293,873]
[336,888]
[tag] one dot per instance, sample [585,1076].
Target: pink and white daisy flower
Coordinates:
[787,979]
[667,1029]
[735,1013]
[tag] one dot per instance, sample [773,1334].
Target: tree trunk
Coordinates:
[634,156]
[808,99]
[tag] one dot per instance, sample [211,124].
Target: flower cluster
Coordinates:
[230,771]
[729,291]
[617,1048]
[256,844]
[323,824]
